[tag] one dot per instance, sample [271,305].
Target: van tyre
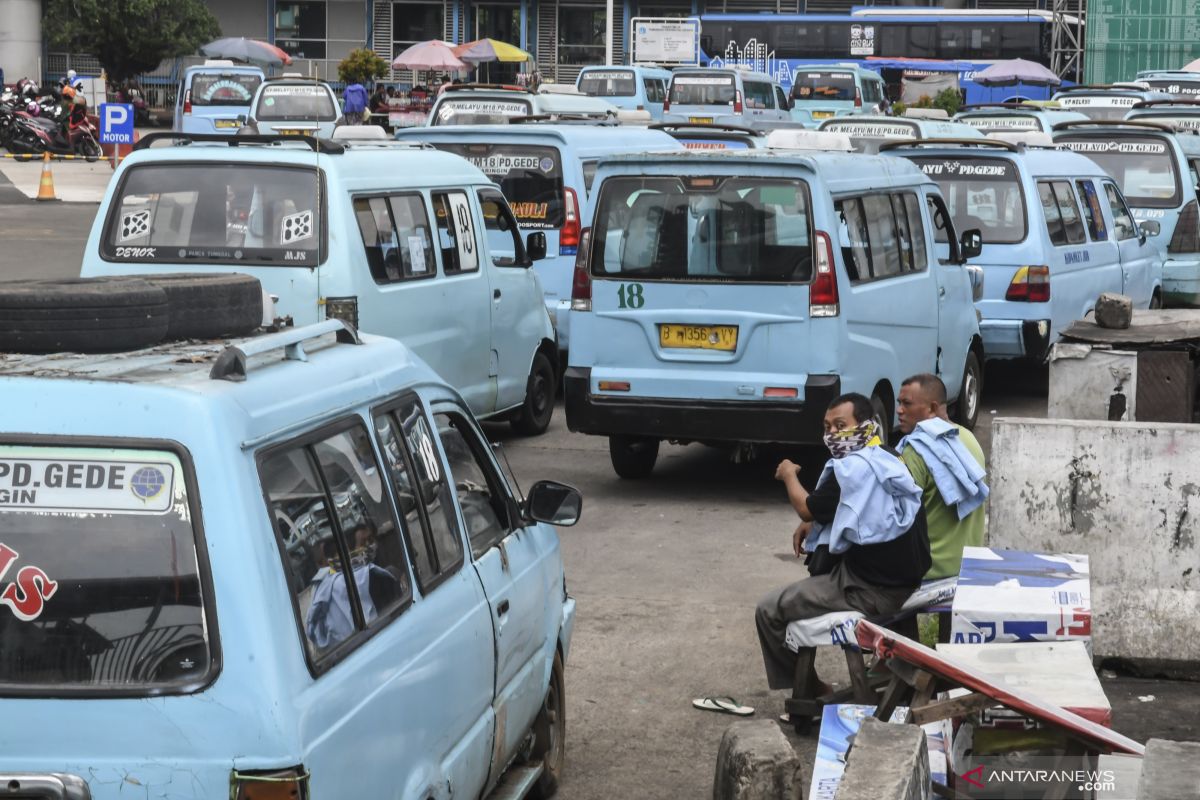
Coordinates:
[81,315]
[966,408]
[538,409]
[882,418]
[550,735]
[633,457]
[208,305]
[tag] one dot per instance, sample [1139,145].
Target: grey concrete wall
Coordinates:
[20,39]
[241,18]
[1128,495]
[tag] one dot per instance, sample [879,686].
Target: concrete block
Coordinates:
[886,762]
[1113,310]
[1170,771]
[757,762]
[1126,771]
[1126,494]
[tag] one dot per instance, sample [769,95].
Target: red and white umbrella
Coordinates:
[434,55]
[243,49]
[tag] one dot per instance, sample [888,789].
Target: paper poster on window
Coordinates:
[862,40]
[464,232]
[416,254]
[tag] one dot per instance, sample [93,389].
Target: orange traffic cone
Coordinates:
[46,188]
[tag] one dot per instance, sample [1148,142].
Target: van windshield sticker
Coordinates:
[1003,123]
[279,91]
[819,75]
[701,80]
[135,225]
[1175,88]
[884,130]
[1098,100]
[1092,146]
[607,76]
[497,107]
[43,485]
[26,596]
[708,144]
[1184,123]
[960,170]
[295,227]
[499,164]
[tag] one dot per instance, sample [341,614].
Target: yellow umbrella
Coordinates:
[483,50]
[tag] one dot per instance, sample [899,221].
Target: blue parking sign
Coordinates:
[116,123]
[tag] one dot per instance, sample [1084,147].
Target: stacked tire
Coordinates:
[125,312]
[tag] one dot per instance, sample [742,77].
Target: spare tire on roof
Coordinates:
[82,315]
[205,305]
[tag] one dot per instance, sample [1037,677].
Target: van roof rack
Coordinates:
[1155,103]
[603,118]
[508,87]
[323,146]
[1085,87]
[703,126]
[1022,106]
[231,363]
[1119,123]
[994,143]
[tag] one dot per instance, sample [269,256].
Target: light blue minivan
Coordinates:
[824,91]
[545,171]
[1106,103]
[728,297]
[631,88]
[1056,233]
[1158,170]
[726,96]
[396,238]
[1180,84]
[181,521]
[1015,117]
[214,97]
[1182,115]
[292,105]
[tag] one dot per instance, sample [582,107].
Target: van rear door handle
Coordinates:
[502,609]
[495,294]
[941,291]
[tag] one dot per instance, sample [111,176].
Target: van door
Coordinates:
[956,311]
[1081,270]
[1141,261]
[517,566]
[891,309]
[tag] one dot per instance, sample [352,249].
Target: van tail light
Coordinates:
[281,784]
[823,293]
[789,392]
[1030,285]
[568,235]
[857,97]
[187,102]
[343,308]
[737,102]
[581,283]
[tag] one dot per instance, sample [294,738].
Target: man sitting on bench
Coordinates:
[865,527]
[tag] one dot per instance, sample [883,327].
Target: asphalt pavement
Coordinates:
[666,573]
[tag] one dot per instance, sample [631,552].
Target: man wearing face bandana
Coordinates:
[863,528]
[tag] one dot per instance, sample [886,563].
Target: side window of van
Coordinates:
[758,94]
[1063,222]
[503,234]
[1092,211]
[456,232]
[422,492]
[331,514]
[853,235]
[481,493]
[589,174]
[396,237]
[781,101]
[916,227]
[654,90]
[882,236]
[1122,219]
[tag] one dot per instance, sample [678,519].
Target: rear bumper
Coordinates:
[1015,338]
[796,422]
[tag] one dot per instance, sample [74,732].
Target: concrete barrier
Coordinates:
[757,762]
[1128,495]
[1170,771]
[886,762]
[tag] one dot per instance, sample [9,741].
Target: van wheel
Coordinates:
[1156,300]
[206,305]
[550,735]
[633,457]
[539,399]
[882,418]
[81,315]
[966,409]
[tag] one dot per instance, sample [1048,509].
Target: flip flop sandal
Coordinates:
[724,705]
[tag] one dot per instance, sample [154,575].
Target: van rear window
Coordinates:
[217,213]
[229,89]
[693,89]
[609,83]
[983,193]
[296,103]
[100,586]
[1144,166]
[826,86]
[703,229]
[531,178]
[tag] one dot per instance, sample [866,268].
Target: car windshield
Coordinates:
[99,572]
[295,104]
[982,193]
[478,111]
[1143,166]
[866,137]
[695,89]
[812,85]
[608,83]
[229,89]
[531,178]
[216,213]
[703,229]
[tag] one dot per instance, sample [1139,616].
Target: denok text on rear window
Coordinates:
[99,576]
[530,177]
[1143,166]
[216,213]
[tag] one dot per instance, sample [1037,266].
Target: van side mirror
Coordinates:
[241,119]
[970,245]
[535,246]
[554,502]
[1149,227]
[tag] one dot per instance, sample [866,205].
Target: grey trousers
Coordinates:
[840,590]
